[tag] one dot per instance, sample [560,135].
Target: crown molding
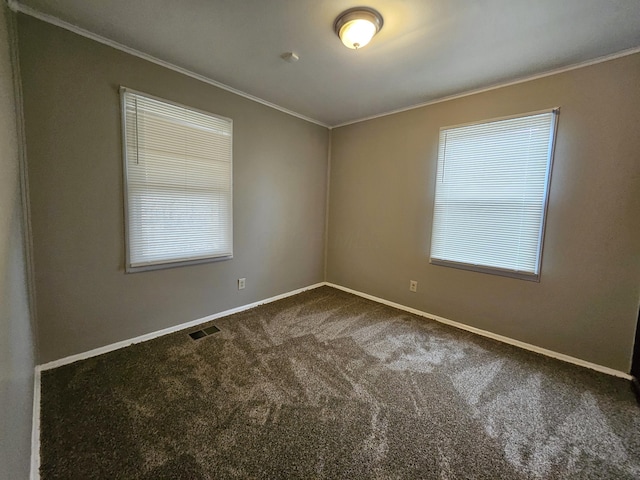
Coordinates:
[575,66]
[16,6]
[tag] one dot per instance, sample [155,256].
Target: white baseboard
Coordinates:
[35,434]
[35,428]
[494,336]
[462,326]
[166,331]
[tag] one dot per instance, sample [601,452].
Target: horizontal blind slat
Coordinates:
[179,182]
[490,193]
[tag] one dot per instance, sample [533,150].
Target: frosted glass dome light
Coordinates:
[357,26]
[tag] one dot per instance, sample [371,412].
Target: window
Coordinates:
[178,183]
[492,184]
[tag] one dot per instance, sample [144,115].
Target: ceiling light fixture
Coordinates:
[357,26]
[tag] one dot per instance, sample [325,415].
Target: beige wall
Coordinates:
[72,116]
[586,304]
[16,338]
[381,201]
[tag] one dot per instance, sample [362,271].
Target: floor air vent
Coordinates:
[197,335]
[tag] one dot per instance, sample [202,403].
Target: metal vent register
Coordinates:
[198,334]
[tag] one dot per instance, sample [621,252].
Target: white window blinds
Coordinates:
[178,172]
[491,191]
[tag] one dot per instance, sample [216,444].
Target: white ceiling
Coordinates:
[426,50]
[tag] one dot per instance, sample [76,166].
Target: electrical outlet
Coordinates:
[413,285]
[241,283]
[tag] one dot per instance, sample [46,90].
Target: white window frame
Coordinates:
[524,275]
[168,263]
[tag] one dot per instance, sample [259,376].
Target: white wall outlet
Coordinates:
[413,285]
[241,283]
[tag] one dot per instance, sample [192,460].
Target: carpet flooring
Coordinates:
[327,385]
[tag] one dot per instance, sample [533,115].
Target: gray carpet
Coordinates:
[329,385]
